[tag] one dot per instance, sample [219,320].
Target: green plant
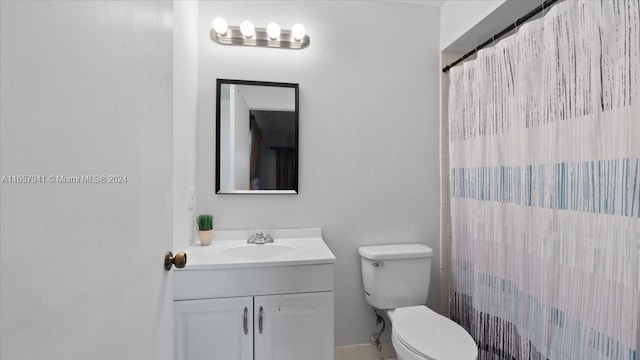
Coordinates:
[205,222]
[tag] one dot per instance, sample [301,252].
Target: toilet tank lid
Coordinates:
[395,251]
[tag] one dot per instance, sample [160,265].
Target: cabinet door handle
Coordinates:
[245,321]
[260,320]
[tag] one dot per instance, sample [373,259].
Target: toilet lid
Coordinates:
[432,335]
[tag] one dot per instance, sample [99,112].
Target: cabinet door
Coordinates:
[214,329]
[294,326]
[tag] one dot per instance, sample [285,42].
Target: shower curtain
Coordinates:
[544,144]
[285,160]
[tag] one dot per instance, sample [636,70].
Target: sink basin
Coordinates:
[230,250]
[298,261]
[257,252]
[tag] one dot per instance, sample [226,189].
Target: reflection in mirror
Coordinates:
[256,137]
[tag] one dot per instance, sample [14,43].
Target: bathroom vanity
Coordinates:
[240,301]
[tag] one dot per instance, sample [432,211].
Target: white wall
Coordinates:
[226,140]
[85,89]
[185,97]
[459,16]
[368,133]
[241,136]
[268,97]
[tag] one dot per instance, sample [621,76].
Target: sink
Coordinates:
[229,250]
[257,252]
[298,261]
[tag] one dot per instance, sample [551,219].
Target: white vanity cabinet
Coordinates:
[294,326]
[258,307]
[214,329]
[281,327]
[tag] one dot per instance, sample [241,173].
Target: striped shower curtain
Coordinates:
[544,144]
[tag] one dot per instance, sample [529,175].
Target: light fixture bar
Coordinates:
[233,36]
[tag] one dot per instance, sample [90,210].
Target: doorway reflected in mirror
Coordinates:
[272,150]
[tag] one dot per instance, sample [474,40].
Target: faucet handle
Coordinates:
[259,238]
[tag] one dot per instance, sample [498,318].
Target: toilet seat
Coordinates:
[429,335]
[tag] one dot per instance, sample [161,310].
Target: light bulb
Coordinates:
[298,32]
[247,28]
[220,25]
[273,30]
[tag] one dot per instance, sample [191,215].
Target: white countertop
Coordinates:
[229,249]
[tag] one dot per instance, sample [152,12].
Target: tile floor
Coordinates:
[365,352]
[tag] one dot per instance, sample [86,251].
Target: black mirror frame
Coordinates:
[219,83]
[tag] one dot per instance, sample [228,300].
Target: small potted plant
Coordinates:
[205,227]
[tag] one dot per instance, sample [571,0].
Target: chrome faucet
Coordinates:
[259,238]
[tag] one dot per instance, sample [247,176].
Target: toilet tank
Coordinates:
[397,275]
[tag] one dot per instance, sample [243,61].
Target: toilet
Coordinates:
[396,280]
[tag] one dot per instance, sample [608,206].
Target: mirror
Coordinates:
[256,137]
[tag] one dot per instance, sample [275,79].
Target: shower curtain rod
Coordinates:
[502,33]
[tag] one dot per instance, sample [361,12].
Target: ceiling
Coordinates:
[499,19]
[434,3]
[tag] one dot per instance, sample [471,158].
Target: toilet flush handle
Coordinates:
[377,264]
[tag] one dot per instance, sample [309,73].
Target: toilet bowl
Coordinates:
[396,279]
[419,333]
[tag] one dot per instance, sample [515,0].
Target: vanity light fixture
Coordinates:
[248,35]
[273,30]
[247,29]
[220,25]
[298,32]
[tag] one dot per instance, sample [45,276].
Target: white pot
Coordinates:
[205,237]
